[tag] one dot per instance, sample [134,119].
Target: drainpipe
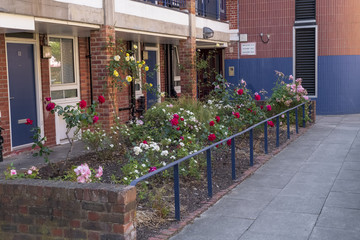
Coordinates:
[1,145]
[238,26]
[90,68]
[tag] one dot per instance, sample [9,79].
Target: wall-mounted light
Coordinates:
[208,32]
[46,52]
[262,39]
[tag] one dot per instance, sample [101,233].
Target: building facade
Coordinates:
[55,48]
[312,39]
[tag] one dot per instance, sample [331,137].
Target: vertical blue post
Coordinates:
[224,4]
[209,180]
[304,122]
[277,131]
[177,192]
[265,138]
[203,8]
[233,173]
[251,149]
[288,124]
[296,120]
[217,10]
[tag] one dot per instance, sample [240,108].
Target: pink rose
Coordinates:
[13,172]
[257,97]
[268,108]
[151,169]
[95,119]
[48,99]
[240,91]
[174,122]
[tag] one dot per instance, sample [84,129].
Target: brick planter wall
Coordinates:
[41,209]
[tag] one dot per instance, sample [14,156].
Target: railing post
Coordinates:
[217,10]
[288,124]
[277,131]
[296,120]
[209,177]
[304,122]
[233,173]
[251,148]
[203,8]
[177,192]
[265,138]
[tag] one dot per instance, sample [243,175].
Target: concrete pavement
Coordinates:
[309,191]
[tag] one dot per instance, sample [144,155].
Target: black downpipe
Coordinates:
[1,145]
[90,68]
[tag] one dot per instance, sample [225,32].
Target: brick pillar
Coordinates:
[187,55]
[101,80]
[49,118]
[4,97]
[84,69]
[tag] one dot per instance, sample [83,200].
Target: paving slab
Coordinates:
[343,200]
[340,218]
[297,204]
[321,233]
[346,186]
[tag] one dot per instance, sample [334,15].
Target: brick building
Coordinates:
[312,39]
[167,33]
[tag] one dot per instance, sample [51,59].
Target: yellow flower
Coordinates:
[146,68]
[140,65]
[150,85]
[116,74]
[127,58]
[142,62]
[135,47]
[128,78]
[127,54]
[137,62]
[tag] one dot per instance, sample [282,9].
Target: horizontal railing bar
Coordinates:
[136,181]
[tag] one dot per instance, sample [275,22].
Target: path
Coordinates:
[309,191]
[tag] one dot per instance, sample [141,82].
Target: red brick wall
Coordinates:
[338,27]
[49,119]
[34,209]
[4,97]
[187,56]
[84,69]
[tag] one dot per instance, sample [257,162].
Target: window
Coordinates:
[62,68]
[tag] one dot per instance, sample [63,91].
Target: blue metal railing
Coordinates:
[207,149]
[213,9]
[167,3]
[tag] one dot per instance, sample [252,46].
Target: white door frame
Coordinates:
[157,49]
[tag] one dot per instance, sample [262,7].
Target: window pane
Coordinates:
[67,60]
[71,93]
[55,61]
[57,94]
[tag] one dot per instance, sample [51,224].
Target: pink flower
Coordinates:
[257,97]
[182,138]
[13,172]
[101,99]
[178,128]
[182,119]
[29,172]
[217,119]
[145,142]
[48,99]
[50,106]
[270,123]
[211,137]
[29,121]
[151,169]
[174,122]
[240,91]
[291,77]
[212,123]
[261,107]
[82,104]
[176,116]
[95,119]
[306,97]
[83,172]
[228,142]
[237,115]
[268,108]
[99,172]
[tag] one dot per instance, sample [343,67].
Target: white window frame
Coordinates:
[177,78]
[316,55]
[68,86]
[138,93]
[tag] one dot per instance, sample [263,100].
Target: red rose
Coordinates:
[82,104]
[50,106]
[174,122]
[95,119]
[101,99]
[268,107]
[238,106]
[217,119]
[240,91]
[48,99]
[254,112]
[211,137]
[176,116]
[212,123]
[151,169]
[178,128]
[145,142]
[270,123]
[182,119]
[29,121]
[261,106]
[237,115]
[228,142]
[182,138]
[257,97]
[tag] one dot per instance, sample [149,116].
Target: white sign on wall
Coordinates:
[248,48]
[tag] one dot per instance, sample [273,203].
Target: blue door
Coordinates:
[151,77]
[22,91]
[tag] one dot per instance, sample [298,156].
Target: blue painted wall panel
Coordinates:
[338,85]
[259,73]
